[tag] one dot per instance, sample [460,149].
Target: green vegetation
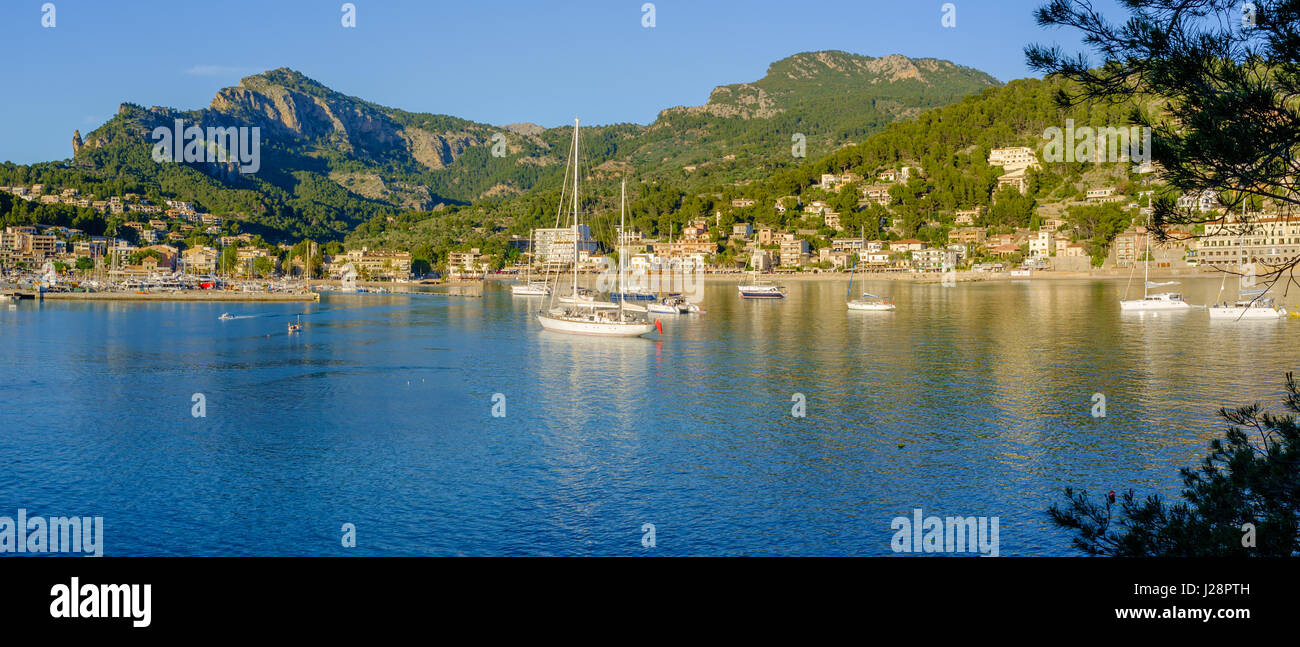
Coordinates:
[1249,477]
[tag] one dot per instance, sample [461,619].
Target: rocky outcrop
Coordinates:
[436,151]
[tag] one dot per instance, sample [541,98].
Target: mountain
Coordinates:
[330,161]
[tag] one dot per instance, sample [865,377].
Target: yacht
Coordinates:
[1254,308]
[866,301]
[672,305]
[1159,301]
[756,289]
[583,317]
[871,302]
[531,288]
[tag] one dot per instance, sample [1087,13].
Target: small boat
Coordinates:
[225,316]
[757,289]
[295,326]
[867,301]
[531,289]
[671,305]
[1257,308]
[871,302]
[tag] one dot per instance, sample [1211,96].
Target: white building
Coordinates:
[557,245]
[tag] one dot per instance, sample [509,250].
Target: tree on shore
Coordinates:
[1242,500]
[1217,81]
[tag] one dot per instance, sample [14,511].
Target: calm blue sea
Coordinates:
[974,400]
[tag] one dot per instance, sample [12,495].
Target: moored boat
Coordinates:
[871,302]
[1160,301]
[1257,308]
[530,289]
[583,314]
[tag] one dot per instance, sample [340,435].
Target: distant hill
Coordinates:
[332,161]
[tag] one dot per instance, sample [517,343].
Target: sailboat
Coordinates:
[579,317]
[756,289]
[1150,301]
[1250,304]
[295,326]
[531,288]
[866,301]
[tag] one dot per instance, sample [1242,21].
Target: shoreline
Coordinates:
[962,276]
[193,295]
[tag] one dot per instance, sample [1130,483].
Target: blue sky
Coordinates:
[494,61]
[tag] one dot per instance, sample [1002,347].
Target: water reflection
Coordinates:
[970,400]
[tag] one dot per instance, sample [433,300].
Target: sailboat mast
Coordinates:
[575,210]
[1146,256]
[622,233]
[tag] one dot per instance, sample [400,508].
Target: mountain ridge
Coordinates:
[332,160]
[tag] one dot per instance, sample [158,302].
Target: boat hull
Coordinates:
[529,291]
[1232,312]
[589,303]
[659,308]
[594,328]
[761,292]
[876,307]
[1152,305]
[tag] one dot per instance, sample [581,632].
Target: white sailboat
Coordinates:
[585,318]
[531,288]
[867,301]
[1250,304]
[756,289]
[1255,308]
[1161,301]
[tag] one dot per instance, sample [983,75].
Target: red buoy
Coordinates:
[659,325]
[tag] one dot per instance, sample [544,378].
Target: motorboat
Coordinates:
[671,305]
